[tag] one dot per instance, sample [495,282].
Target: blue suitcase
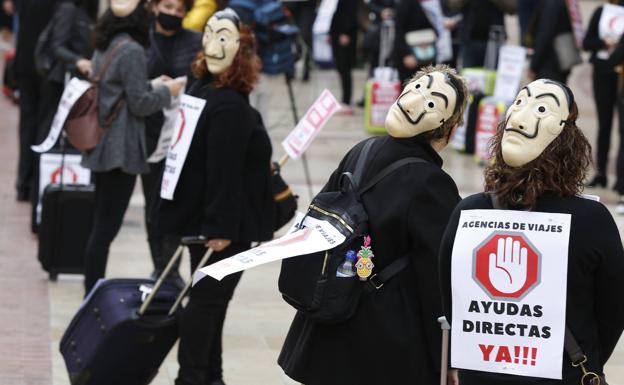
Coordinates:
[124,330]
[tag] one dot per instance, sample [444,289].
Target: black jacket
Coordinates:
[553,21]
[409,16]
[70,41]
[171,56]
[34,15]
[344,21]
[224,189]
[595,289]
[394,337]
[478,18]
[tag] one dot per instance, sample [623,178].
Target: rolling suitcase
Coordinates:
[125,328]
[66,218]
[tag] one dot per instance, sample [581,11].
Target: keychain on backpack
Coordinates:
[365,264]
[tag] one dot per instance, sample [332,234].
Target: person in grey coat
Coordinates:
[121,37]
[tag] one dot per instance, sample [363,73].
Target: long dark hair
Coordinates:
[91,7]
[560,169]
[136,25]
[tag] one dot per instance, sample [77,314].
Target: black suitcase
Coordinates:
[121,335]
[66,219]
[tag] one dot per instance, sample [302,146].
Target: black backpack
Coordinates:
[309,282]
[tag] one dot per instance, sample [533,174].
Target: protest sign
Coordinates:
[576,20]
[491,112]
[188,115]
[297,142]
[508,275]
[72,92]
[509,72]
[170,114]
[444,43]
[316,235]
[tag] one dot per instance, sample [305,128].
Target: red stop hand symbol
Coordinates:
[508,266]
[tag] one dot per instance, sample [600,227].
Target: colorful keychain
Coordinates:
[365,264]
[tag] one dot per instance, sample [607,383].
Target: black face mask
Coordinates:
[169,22]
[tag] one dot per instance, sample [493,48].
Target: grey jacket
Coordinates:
[123,143]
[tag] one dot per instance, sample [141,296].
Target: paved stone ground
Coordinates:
[34,312]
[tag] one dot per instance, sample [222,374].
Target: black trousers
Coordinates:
[151,193]
[304,13]
[619,184]
[30,88]
[344,59]
[113,190]
[201,322]
[605,94]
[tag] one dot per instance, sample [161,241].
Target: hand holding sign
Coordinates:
[508,267]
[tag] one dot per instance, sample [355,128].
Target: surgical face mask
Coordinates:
[221,42]
[533,121]
[424,105]
[169,22]
[122,8]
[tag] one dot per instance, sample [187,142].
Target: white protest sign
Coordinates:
[509,72]
[610,26]
[509,277]
[50,172]
[188,115]
[576,20]
[297,142]
[316,235]
[166,131]
[444,44]
[73,90]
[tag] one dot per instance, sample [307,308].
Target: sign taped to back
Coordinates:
[509,279]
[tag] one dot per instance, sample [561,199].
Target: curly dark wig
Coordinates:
[455,81]
[243,74]
[136,25]
[559,170]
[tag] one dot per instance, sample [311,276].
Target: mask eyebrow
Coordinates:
[442,96]
[223,29]
[526,88]
[430,82]
[549,94]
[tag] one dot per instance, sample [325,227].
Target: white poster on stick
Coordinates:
[299,139]
[316,235]
[509,280]
[72,92]
[188,115]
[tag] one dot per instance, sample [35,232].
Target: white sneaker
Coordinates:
[619,209]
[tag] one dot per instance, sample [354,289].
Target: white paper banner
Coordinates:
[611,24]
[444,44]
[299,139]
[73,90]
[188,115]
[316,236]
[509,72]
[166,132]
[509,282]
[50,172]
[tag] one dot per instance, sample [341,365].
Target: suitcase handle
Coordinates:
[194,240]
[445,326]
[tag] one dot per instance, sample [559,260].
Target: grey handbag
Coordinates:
[568,54]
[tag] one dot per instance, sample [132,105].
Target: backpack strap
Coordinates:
[389,170]
[109,59]
[376,281]
[361,161]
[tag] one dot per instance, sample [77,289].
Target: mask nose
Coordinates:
[211,49]
[412,103]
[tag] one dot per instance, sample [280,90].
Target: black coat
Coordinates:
[592,42]
[34,15]
[410,16]
[70,41]
[595,289]
[344,20]
[171,56]
[394,337]
[553,21]
[224,189]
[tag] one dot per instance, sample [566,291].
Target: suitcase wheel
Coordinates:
[53,276]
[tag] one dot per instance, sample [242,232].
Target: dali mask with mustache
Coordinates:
[221,41]
[534,120]
[424,105]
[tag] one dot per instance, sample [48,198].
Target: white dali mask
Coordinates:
[122,8]
[533,121]
[424,105]
[221,41]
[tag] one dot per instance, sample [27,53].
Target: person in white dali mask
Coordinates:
[540,159]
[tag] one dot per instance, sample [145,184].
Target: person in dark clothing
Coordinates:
[304,13]
[343,35]
[552,20]
[30,87]
[604,82]
[380,11]
[224,191]
[410,16]
[171,52]
[70,49]
[478,18]
[544,173]
[120,39]
[393,335]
